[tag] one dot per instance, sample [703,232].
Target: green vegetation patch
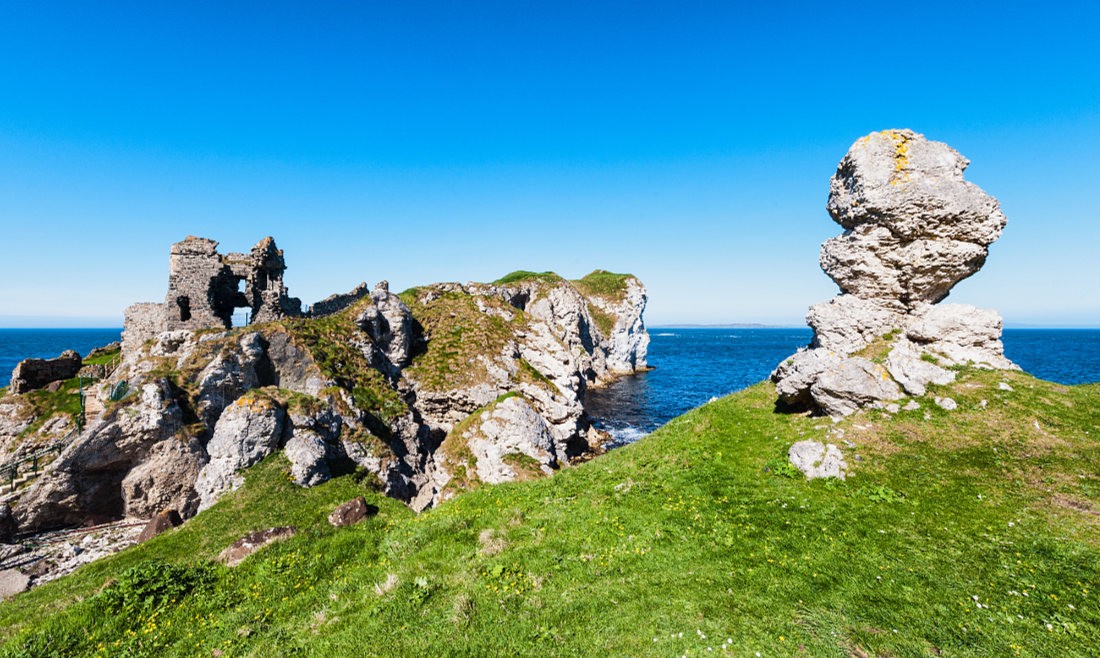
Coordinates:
[42,404]
[525,466]
[103,358]
[877,350]
[604,284]
[605,322]
[460,338]
[524,275]
[966,533]
[334,341]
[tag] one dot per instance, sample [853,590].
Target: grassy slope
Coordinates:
[686,532]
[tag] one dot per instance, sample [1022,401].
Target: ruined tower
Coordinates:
[205,287]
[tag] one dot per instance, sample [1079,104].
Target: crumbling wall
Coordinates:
[143,322]
[33,374]
[205,287]
[336,303]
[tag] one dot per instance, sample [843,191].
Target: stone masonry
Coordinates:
[33,374]
[205,287]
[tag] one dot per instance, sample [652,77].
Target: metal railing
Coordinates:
[10,471]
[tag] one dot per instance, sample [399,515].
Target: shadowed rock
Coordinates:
[165,520]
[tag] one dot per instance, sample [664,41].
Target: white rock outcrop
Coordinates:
[818,460]
[914,227]
[249,430]
[503,435]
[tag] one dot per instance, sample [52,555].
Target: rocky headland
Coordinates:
[913,228]
[429,392]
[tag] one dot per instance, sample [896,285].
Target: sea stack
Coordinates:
[913,229]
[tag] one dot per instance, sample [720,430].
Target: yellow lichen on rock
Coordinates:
[901,155]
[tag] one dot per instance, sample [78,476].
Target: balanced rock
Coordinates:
[913,229]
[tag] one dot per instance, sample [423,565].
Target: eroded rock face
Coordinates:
[914,228]
[510,428]
[374,381]
[135,461]
[392,329]
[249,430]
[314,445]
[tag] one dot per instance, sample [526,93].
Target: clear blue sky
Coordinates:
[690,143]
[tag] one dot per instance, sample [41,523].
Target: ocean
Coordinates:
[693,365]
[19,344]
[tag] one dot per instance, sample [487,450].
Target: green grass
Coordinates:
[460,338]
[524,275]
[44,405]
[965,533]
[601,283]
[102,358]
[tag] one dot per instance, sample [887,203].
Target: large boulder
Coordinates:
[313,445]
[960,333]
[505,441]
[905,204]
[851,385]
[249,430]
[391,327]
[818,460]
[846,323]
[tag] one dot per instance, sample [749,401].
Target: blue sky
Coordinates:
[690,143]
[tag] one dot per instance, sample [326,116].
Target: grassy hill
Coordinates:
[974,532]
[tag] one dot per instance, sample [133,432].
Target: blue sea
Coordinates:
[693,365]
[19,344]
[697,364]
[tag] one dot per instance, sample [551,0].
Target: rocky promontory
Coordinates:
[432,391]
[914,227]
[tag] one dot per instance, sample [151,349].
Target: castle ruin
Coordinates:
[205,287]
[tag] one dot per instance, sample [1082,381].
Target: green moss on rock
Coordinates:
[461,338]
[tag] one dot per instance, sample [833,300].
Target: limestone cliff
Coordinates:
[440,388]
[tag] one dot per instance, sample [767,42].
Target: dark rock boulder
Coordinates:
[166,520]
[7,524]
[352,512]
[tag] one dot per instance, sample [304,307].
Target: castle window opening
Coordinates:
[184,303]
